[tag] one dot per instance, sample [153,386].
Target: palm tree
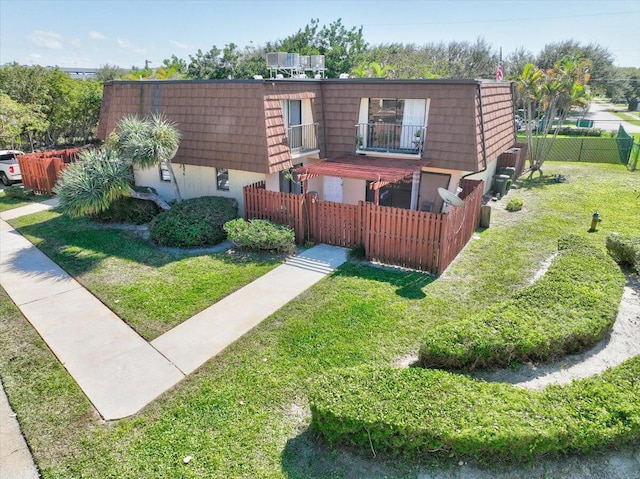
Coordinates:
[147,142]
[97,179]
[556,92]
[103,175]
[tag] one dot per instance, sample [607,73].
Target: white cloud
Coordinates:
[123,43]
[141,51]
[76,42]
[44,39]
[178,44]
[96,35]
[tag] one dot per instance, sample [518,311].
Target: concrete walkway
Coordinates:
[117,369]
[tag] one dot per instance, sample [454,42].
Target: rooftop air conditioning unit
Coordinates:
[292,60]
[305,62]
[275,59]
[317,62]
[344,76]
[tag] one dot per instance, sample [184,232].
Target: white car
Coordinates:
[9,167]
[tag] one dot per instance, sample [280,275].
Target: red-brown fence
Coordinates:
[515,158]
[414,239]
[40,171]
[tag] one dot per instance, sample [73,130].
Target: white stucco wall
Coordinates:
[196,181]
[353,191]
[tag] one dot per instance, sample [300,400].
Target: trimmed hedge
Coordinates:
[625,250]
[416,412]
[568,310]
[194,222]
[261,235]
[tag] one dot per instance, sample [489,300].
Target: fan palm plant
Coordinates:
[103,175]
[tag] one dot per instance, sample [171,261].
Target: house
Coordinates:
[390,142]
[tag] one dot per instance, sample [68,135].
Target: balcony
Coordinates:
[391,138]
[302,139]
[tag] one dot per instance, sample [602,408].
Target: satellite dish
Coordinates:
[449,198]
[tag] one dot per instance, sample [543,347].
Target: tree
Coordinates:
[108,73]
[343,48]
[16,120]
[103,175]
[549,96]
[601,68]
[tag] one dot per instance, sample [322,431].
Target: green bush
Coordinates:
[128,210]
[261,235]
[625,250]
[19,193]
[514,204]
[357,252]
[571,131]
[194,222]
[417,412]
[568,310]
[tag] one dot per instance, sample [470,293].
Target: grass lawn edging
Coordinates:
[415,412]
[568,310]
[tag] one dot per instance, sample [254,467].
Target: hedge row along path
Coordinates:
[416,411]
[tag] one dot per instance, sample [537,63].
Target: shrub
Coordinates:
[514,204]
[261,235]
[194,222]
[625,250]
[417,412]
[570,131]
[128,210]
[569,309]
[19,193]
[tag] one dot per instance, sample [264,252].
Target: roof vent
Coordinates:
[344,76]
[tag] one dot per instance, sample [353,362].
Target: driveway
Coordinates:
[608,121]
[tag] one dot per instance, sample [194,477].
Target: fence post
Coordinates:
[580,152]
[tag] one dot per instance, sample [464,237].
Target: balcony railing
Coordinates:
[303,138]
[390,138]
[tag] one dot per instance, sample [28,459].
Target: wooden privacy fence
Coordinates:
[514,157]
[40,171]
[413,239]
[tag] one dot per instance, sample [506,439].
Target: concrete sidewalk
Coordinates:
[118,370]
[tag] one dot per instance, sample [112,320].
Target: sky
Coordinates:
[92,33]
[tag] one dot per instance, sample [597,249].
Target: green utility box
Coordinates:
[501,184]
[510,171]
[584,123]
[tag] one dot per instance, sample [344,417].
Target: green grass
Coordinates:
[567,311]
[7,203]
[415,412]
[245,413]
[151,289]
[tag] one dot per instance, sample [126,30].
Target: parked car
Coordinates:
[9,167]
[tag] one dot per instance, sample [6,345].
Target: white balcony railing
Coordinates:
[303,138]
[390,138]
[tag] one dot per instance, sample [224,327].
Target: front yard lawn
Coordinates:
[7,203]
[245,413]
[151,289]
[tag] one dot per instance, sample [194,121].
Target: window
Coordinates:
[164,172]
[386,110]
[222,179]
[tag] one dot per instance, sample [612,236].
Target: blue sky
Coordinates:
[92,33]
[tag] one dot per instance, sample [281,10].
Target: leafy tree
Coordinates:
[17,119]
[343,48]
[108,73]
[215,64]
[601,68]
[103,175]
[547,95]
